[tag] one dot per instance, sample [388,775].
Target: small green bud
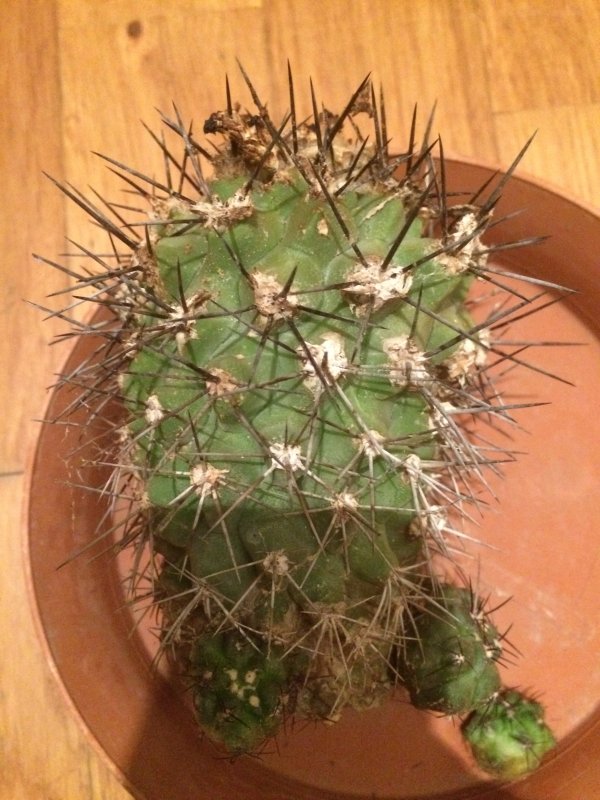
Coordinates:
[508,737]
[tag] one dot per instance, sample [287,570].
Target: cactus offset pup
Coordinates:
[294,349]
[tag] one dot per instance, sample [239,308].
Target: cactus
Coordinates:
[449,662]
[293,344]
[508,735]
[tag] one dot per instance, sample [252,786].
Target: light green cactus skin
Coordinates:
[508,736]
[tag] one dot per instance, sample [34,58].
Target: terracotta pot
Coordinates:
[544,529]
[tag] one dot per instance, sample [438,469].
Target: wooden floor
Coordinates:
[80,74]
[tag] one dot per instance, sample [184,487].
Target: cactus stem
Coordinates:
[302,366]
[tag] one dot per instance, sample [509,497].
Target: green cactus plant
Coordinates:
[508,735]
[293,347]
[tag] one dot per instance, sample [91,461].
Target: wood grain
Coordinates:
[80,74]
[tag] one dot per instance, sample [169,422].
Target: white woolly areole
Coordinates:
[322,227]
[370,287]
[369,443]
[286,456]
[182,324]
[329,358]
[244,691]
[466,226]
[254,701]
[223,384]
[469,356]
[344,503]
[412,465]
[124,436]
[178,316]
[154,410]
[277,563]
[219,215]
[456,264]
[433,522]
[269,299]
[206,479]
[407,364]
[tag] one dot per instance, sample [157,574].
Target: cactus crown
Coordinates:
[293,344]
